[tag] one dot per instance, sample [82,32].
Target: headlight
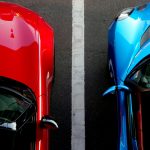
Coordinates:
[125,13]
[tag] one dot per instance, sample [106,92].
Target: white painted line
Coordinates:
[78,105]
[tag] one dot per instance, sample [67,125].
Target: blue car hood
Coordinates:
[124,42]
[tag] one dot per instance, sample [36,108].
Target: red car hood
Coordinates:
[19,45]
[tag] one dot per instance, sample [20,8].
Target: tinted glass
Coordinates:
[141,104]
[11,106]
[23,139]
[146,119]
[17,122]
[142,76]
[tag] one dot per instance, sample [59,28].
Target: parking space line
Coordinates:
[78,105]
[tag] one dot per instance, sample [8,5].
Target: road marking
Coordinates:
[78,105]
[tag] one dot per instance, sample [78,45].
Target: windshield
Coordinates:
[11,107]
[17,121]
[142,76]
[139,82]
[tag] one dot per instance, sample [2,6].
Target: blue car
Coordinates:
[129,68]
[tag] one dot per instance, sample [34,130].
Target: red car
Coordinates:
[26,74]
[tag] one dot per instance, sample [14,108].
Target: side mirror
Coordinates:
[114,88]
[48,123]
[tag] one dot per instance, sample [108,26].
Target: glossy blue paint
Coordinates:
[113,89]
[124,39]
[122,143]
[131,123]
[143,52]
[124,54]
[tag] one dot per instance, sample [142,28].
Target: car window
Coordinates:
[142,76]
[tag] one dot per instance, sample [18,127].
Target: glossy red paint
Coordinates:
[26,55]
[139,123]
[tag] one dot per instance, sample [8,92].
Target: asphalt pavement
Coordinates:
[100,113]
